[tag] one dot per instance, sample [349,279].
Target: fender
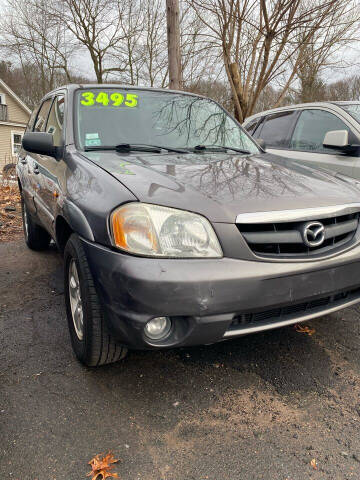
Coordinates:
[77,220]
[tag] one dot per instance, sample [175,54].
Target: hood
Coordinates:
[221,186]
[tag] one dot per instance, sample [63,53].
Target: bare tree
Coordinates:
[95,24]
[344,89]
[32,38]
[323,51]
[155,66]
[197,59]
[259,41]
[269,52]
[131,28]
[145,45]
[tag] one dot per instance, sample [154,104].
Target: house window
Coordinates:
[16,138]
[2,99]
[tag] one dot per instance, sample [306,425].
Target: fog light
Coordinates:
[158,328]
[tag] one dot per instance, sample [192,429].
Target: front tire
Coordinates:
[36,237]
[91,341]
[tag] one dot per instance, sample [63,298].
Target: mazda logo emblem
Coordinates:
[313,234]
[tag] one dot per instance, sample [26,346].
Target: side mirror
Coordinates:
[39,142]
[261,143]
[337,139]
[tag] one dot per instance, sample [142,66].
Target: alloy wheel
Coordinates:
[75,300]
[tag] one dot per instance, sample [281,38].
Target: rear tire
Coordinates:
[91,341]
[36,237]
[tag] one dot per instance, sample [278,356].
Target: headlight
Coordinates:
[158,231]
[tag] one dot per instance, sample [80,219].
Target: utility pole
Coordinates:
[173,36]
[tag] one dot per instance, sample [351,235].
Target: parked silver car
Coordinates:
[323,134]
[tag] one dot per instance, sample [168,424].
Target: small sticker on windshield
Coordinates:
[91,136]
[93,143]
[92,140]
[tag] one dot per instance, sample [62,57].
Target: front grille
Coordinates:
[288,312]
[286,239]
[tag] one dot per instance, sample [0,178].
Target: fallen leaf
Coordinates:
[304,329]
[313,464]
[101,467]
[104,474]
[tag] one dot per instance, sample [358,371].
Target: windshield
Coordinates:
[353,109]
[109,117]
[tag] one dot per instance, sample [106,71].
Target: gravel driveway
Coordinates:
[260,407]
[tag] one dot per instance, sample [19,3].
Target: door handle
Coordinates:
[36,169]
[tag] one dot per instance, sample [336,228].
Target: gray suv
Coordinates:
[325,134]
[175,227]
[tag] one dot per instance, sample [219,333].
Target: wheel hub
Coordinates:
[75,300]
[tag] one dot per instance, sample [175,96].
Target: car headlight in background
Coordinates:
[152,230]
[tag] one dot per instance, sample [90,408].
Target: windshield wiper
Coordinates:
[132,147]
[170,149]
[124,147]
[219,148]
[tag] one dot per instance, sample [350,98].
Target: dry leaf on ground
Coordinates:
[313,464]
[304,329]
[10,212]
[101,467]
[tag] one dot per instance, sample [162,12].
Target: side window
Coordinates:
[42,116]
[251,127]
[257,129]
[31,122]
[55,120]
[311,128]
[276,129]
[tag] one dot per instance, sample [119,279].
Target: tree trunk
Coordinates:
[240,111]
[173,35]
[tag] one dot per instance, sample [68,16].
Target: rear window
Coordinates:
[276,129]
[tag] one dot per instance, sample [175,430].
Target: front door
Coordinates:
[306,143]
[52,168]
[33,164]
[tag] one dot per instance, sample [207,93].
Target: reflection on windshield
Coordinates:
[354,110]
[109,117]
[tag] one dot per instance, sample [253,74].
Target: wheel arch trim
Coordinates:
[77,220]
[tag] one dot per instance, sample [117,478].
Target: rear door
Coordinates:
[276,129]
[306,142]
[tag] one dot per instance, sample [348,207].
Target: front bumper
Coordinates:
[210,300]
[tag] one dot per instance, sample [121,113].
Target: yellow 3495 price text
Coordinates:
[113,100]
